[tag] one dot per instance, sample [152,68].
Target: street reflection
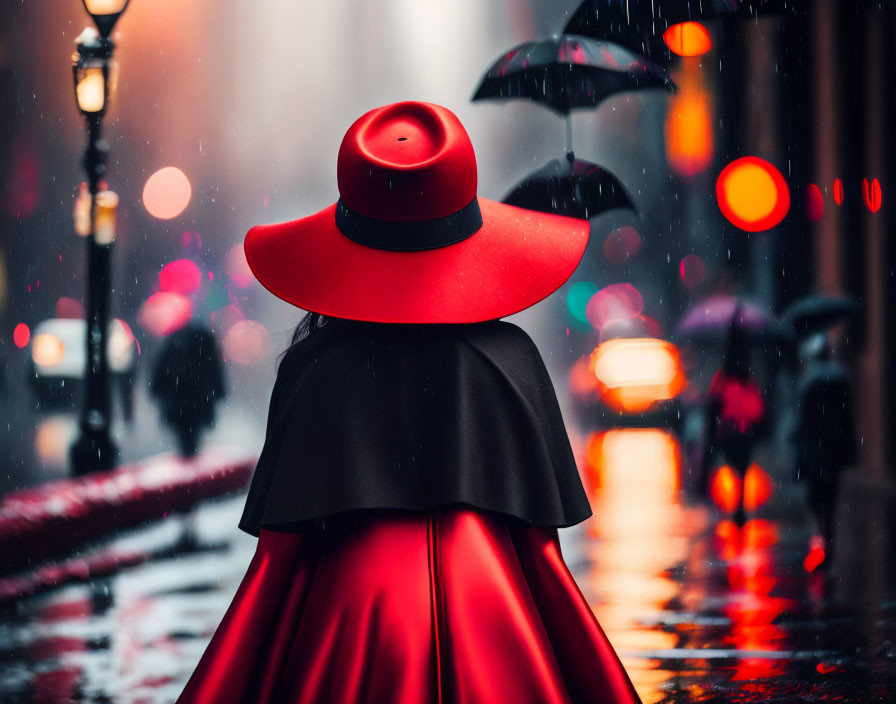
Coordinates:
[750,606]
[698,609]
[636,535]
[58,675]
[696,605]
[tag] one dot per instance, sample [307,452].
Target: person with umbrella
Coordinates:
[416,466]
[735,411]
[565,73]
[824,435]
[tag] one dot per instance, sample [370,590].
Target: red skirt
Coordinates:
[452,606]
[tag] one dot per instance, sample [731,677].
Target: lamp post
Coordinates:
[94,449]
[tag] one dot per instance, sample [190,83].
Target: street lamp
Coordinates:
[105,14]
[94,449]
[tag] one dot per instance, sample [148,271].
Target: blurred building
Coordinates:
[250,102]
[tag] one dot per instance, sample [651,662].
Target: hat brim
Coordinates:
[517,258]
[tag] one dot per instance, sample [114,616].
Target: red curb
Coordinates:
[76,569]
[52,519]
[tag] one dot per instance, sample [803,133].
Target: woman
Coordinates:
[416,466]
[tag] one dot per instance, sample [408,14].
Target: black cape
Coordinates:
[386,416]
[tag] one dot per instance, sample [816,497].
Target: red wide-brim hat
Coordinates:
[409,241]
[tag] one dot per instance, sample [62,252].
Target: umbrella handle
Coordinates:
[569,153]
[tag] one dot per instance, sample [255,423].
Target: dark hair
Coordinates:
[307,326]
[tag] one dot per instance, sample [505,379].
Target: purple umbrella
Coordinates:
[711,318]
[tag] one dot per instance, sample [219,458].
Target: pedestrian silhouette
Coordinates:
[188,381]
[735,412]
[825,433]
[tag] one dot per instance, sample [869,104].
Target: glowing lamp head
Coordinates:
[90,88]
[105,13]
[688,39]
[90,71]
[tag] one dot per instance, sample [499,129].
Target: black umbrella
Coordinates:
[613,21]
[572,187]
[639,24]
[817,313]
[566,72]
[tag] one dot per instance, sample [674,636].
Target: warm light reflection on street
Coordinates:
[634,478]
[686,596]
[750,605]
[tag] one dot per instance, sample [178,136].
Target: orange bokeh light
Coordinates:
[689,123]
[167,193]
[247,342]
[725,489]
[752,194]
[688,39]
[634,374]
[758,487]
[726,485]
[581,378]
[53,438]
[47,350]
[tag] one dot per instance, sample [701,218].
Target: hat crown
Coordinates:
[407,162]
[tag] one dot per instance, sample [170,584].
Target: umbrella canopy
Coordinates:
[711,319]
[817,313]
[567,71]
[572,187]
[639,24]
[613,21]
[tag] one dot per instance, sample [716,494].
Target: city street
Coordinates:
[276,264]
[697,611]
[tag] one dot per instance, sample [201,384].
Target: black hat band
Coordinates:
[417,236]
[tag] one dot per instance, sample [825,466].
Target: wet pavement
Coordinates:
[699,610]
